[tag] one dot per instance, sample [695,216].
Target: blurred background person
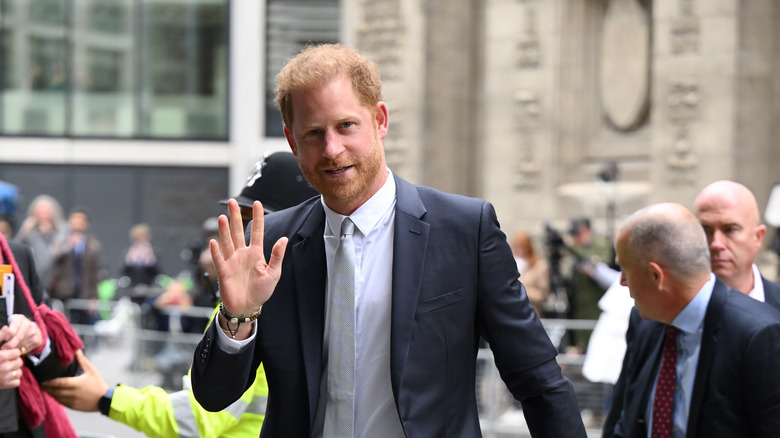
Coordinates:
[275,171]
[77,268]
[534,270]
[152,410]
[44,231]
[7,226]
[140,263]
[586,252]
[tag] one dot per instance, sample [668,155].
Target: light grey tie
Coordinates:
[340,408]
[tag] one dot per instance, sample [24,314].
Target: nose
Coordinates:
[334,145]
[716,241]
[623,279]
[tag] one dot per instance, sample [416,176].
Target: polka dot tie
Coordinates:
[663,403]
[340,407]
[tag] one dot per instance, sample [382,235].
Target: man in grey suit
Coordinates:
[724,377]
[728,211]
[432,273]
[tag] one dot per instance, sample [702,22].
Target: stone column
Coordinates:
[429,56]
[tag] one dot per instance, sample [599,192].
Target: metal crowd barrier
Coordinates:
[170,353]
[501,416]
[167,352]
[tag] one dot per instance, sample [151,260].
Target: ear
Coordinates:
[382,119]
[290,141]
[657,274]
[760,233]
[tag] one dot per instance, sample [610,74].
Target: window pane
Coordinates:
[34,67]
[103,102]
[291,25]
[184,69]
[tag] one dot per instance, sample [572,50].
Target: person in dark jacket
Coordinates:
[29,353]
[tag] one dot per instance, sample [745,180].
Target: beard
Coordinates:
[366,171]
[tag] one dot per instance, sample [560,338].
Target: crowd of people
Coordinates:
[348,302]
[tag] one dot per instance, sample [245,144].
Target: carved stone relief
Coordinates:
[381,33]
[625,64]
[395,144]
[529,111]
[683,102]
[685,30]
[528,47]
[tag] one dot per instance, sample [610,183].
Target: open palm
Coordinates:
[246,280]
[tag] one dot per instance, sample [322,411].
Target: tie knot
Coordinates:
[672,332]
[347,227]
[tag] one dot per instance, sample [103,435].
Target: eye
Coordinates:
[347,124]
[313,132]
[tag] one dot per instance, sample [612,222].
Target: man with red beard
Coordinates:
[728,211]
[365,305]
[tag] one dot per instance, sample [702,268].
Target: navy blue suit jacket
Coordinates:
[454,279]
[771,293]
[736,391]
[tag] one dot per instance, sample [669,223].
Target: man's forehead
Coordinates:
[722,218]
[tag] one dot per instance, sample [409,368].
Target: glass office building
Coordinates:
[134,107]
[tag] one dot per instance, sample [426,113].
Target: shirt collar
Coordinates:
[691,318]
[367,215]
[758,285]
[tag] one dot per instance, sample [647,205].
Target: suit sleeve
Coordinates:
[50,367]
[218,377]
[523,352]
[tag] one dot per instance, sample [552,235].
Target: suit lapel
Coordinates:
[410,243]
[648,369]
[771,293]
[309,278]
[709,341]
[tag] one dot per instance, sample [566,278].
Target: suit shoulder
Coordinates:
[431,194]
[285,221]
[749,312]
[771,293]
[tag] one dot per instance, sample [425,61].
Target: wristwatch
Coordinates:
[104,404]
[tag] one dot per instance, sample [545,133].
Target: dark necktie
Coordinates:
[663,403]
[340,408]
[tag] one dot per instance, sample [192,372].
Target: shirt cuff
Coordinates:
[229,345]
[37,359]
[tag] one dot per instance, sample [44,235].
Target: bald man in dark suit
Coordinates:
[728,346]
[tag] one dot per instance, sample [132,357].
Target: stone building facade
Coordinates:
[527,102]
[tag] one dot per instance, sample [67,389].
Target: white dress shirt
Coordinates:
[375,411]
[757,292]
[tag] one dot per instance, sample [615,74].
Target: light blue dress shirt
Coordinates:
[690,321]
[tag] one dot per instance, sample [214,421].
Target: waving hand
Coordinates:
[246,280]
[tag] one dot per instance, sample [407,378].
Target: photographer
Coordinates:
[579,262]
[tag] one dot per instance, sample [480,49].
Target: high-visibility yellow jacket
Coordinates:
[159,414]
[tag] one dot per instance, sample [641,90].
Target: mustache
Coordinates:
[339,163]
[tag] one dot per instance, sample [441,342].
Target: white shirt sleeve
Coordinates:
[229,345]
